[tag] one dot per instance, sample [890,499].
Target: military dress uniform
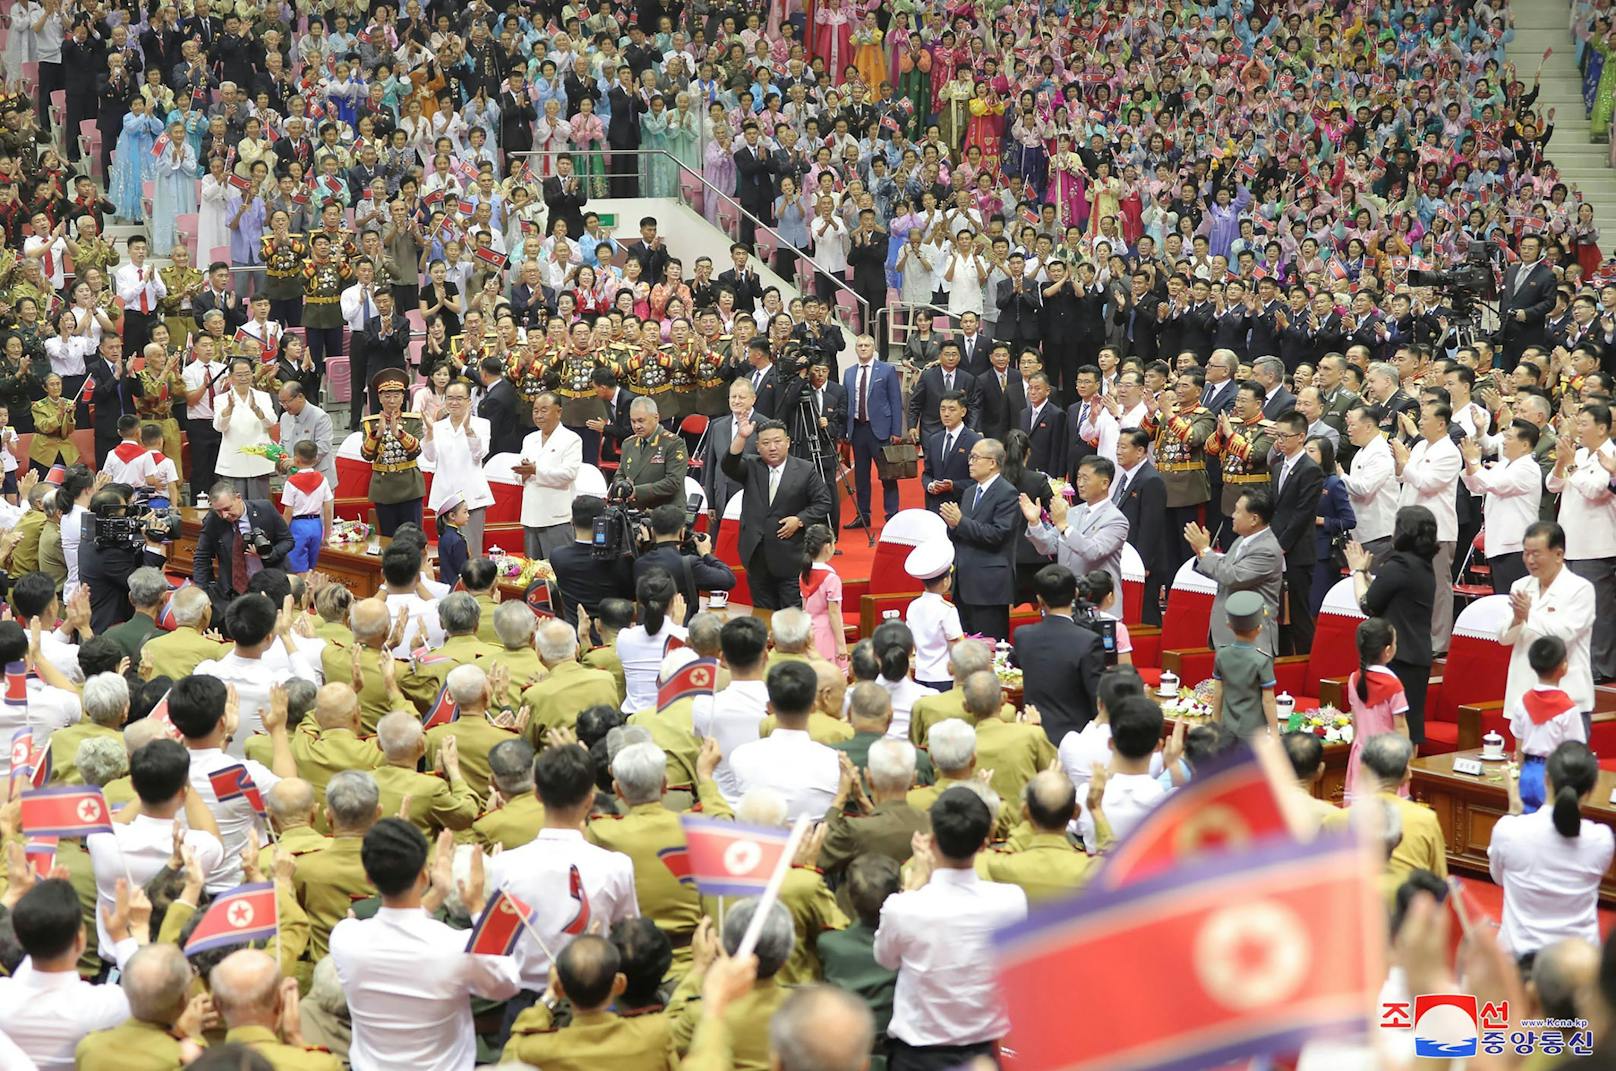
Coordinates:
[328,882]
[95,253]
[527,374]
[1180,452]
[680,401]
[282,1057]
[1047,868]
[1245,459]
[576,373]
[513,823]
[321,754]
[176,654]
[568,689]
[436,803]
[183,284]
[133,1046]
[53,433]
[593,1039]
[474,739]
[657,467]
[710,393]
[395,473]
[283,272]
[650,374]
[154,404]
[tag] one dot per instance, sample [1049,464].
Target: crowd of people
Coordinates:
[1293,293]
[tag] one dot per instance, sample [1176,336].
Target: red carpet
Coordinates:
[857,553]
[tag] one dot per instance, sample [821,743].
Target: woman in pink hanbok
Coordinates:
[1067,186]
[945,60]
[552,134]
[833,38]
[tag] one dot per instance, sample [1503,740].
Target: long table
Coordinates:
[1468,807]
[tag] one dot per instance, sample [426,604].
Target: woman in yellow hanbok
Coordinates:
[868,56]
[53,429]
[155,387]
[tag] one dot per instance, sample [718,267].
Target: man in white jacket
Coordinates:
[1372,483]
[550,459]
[1430,473]
[1588,516]
[1513,489]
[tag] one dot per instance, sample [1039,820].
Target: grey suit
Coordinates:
[1252,563]
[1094,538]
[717,488]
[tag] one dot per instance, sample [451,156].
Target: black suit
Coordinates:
[623,134]
[617,426]
[653,259]
[1143,500]
[234,315]
[1061,663]
[516,118]
[1199,324]
[499,408]
[372,351]
[584,579]
[1296,503]
[1019,313]
[216,547]
[765,388]
[754,188]
[974,354]
[1048,436]
[985,542]
[1529,291]
[927,395]
[774,565]
[748,290]
[109,402]
[997,408]
[1283,401]
[954,465]
[566,201]
[1141,329]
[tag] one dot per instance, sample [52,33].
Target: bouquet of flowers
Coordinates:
[1061,487]
[347,533]
[273,451]
[1191,704]
[1327,723]
[517,570]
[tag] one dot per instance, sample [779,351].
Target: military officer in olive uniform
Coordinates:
[392,445]
[598,1035]
[1243,440]
[248,997]
[1181,426]
[1048,866]
[435,803]
[654,460]
[514,812]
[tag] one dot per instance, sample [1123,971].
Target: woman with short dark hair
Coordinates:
[1403,591]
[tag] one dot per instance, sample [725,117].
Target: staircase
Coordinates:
[1541,24]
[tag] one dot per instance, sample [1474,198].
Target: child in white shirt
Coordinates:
[307,503]
[933,621]
[1543,718]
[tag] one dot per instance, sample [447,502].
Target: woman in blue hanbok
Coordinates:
[132,162]
[194,119]
[175,189]
[682,134]
[659,177]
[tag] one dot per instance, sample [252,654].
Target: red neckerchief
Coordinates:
[816,577]
[1546,704]
[1382,686]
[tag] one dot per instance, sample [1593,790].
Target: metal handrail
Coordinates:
[860,303]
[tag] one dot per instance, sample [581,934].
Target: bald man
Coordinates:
[825,724]
[588,973]
[370,623]
[292,805]
[1048,866]
[327,742]
[259,1009]
[156,980]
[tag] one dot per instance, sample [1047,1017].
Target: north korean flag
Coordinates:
[66,811]
[159,716]
[1253,953]
[39,766]
[41,853]
[697,678]
[1226,806]
[22,752]
[234,782]
[677,860]
[580,918]
[245,913]
[16,684]
[57,475]
[443,710]
[538,598]
[500,927]
[731,859]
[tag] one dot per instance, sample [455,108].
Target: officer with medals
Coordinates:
[392,445]
[582,411]
[683,351]
[654,462]
[650,367]
[1181,426]
[1243,442]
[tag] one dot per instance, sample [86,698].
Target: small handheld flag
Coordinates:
[443,710]
[57,475]
[66,811]
[580,918]
[41,853]
[696,679]
[165,619]
[538,598]
[730,858]
[677,860]
[500,927]
[245,913]
[234,782]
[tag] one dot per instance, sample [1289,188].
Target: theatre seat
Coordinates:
[1467,701]
[906,530]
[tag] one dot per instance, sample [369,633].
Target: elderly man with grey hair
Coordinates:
[176,653]
[654,462]
[148,589]
[514,811]
[106,704]
[792,631]
[568,685]
[157,983]
[964,658]
[101,760]
[514,625]
[434,803]
[260,1011]
[1269,372]
[329,880]
[1385,758]
[884,821]
[734,1020]
[952,747]
[479,727]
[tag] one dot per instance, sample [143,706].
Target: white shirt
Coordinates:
[140,848]
[304,504]
[788,761]
[1080,750]
[641,656]
[132,472]
[141,288]
[358,307]
[1429,477]
[1564,610]
[457,459]
[830,243]
[234,817]
[72,532]
[1372,485]
[1128,798]
[422,626]
[57,248]
[59,650]
[1541,740]
[48,1014]
[939,940]
[1551,883]
[253,678]
[905,694]
[196,375]
[409,984]
[732,718]
[1514,490]
[547,494]
[48,709]
[935,624]
[1103,426]
[67,354]
[242,428]
[1587,508]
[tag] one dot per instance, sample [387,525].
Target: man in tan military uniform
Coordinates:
[371,625]
[176,654]
[952,746]
[249,995]
[1181,426]
[158,1010]
[475,734]
[964,658]
[647,829]
[1243,441]
[330,880]
[459,614]
[654,459]
[434,803]
[291,804]
[1014,750]
[747,1017]
[64,745]
[514,812]
[1049,866]
[587,973]
[327,741]
[568,687]
[512,649]
[886,822]
[487,596]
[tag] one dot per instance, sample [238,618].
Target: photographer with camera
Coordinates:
[688,558]
[584,579]
[111,546]
[239,537]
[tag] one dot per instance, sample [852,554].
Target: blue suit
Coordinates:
[874,418]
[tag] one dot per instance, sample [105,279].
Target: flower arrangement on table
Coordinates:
[347,533]
[517,570]
[274,452]
[1191,704]
[1009,676]
[1329,724]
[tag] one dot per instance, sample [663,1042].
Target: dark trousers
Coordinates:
[785,260]
[770,592]
[623,173]
[288,312]
[1296,638]
[865,449]
[1601,573]
[1506,569]
[50,79]
[137,327]
[389,515]
[1150,612]
[985,620]
[359,385]
[324,342]
[1060,365]
[873,289]
[204,455]
[80,106]
[1178,549]
[901,1056]
[591,441]
[1414,679]
[105,443]
[825,287]
[406,296]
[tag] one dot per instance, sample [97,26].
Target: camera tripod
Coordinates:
[816,441]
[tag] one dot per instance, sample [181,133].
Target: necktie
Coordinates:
[978,500]
[1122,490]
[948,381]
[145,298]
[774,482]
[864,392]
[49,263]
[948,447]
[238,563]
[757,381]
[1001,382]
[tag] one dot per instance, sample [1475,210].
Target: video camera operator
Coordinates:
[583,578]
[112,545]
[239,537]
[689,560]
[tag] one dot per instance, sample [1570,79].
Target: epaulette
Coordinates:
[649,1009]
[546,1030]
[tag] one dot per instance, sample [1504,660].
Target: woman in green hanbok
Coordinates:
[683,135]
[1605,98]
[658,176]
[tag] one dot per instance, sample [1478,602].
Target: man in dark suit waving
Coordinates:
[784,495]
[1061,661]
[1141,494]
[1525,300]
[227,554]
[985,526]
[1298,482]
